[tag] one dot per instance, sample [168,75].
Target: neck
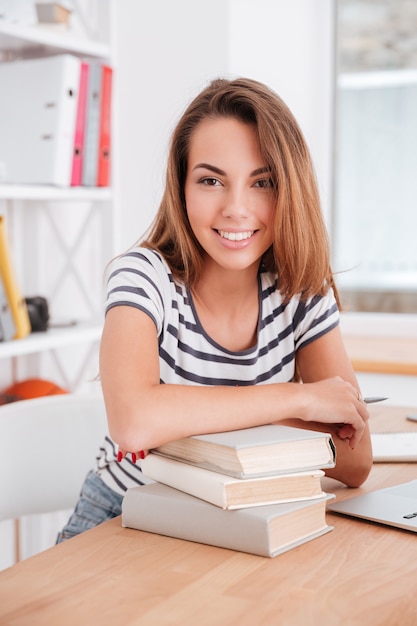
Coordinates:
[227,304]
[226,285]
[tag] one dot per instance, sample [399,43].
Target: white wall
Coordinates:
[289,46]
[166,51]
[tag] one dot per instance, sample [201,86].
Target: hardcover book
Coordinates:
[233,493]
[258,451]
[265,530]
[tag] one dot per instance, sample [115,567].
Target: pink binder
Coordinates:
[104,150]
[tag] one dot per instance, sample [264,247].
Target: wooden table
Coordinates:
[358,574]
[382,355]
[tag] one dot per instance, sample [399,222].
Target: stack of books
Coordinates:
[255,490]
[55,121]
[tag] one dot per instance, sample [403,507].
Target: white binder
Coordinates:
[38,107]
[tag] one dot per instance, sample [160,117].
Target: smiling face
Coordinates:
[229,194]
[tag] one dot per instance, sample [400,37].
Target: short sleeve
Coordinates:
[314,318]
[140,279]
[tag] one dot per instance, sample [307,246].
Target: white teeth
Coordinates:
[236,236]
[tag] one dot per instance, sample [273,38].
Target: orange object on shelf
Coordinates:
[30,388]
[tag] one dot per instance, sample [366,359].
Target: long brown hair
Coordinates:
[300,253]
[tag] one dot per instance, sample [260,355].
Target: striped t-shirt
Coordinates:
[188,355]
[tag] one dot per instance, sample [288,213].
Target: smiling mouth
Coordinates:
[240,236]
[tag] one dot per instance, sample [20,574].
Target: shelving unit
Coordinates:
[43,192]
[51,340]
[28,41]
[61,238]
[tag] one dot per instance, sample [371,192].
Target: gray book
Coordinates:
[266,530]
[257,451]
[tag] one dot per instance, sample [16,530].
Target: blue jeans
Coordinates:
[98,503]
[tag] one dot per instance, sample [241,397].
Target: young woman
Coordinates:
[227,315]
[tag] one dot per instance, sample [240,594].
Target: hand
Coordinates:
[135,455]
[336,401]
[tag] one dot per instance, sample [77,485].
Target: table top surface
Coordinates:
[382,355]
[360,573]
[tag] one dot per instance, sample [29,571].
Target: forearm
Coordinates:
[145,418]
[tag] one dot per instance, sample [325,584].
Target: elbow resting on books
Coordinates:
[164,413]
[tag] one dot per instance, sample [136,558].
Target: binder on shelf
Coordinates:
[78,152]
[16,301]
[104,151]
[38,108]
[92,126]
[7,326]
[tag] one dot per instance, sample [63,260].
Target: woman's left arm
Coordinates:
[323,358]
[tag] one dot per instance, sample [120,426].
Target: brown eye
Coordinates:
[210,182]
[265,183]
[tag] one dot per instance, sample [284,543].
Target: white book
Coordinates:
[258,451]
[263,530]
[38,107]
[231,493]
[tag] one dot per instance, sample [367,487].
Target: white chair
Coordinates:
[48,445]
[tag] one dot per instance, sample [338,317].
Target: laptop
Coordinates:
[392,506]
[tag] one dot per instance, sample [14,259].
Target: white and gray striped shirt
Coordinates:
[141,278]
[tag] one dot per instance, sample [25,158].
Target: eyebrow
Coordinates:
[217,170]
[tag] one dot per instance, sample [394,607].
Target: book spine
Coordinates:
[15,299]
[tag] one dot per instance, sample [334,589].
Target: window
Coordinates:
[375,205]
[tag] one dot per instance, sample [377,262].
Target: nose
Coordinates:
[236,204]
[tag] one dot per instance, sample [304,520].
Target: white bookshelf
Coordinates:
[53,338]
[42,216]
[29,40]
[50,193]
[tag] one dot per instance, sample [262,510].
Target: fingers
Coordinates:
[134,455]
[353,430]
[354,426]
[349,433]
